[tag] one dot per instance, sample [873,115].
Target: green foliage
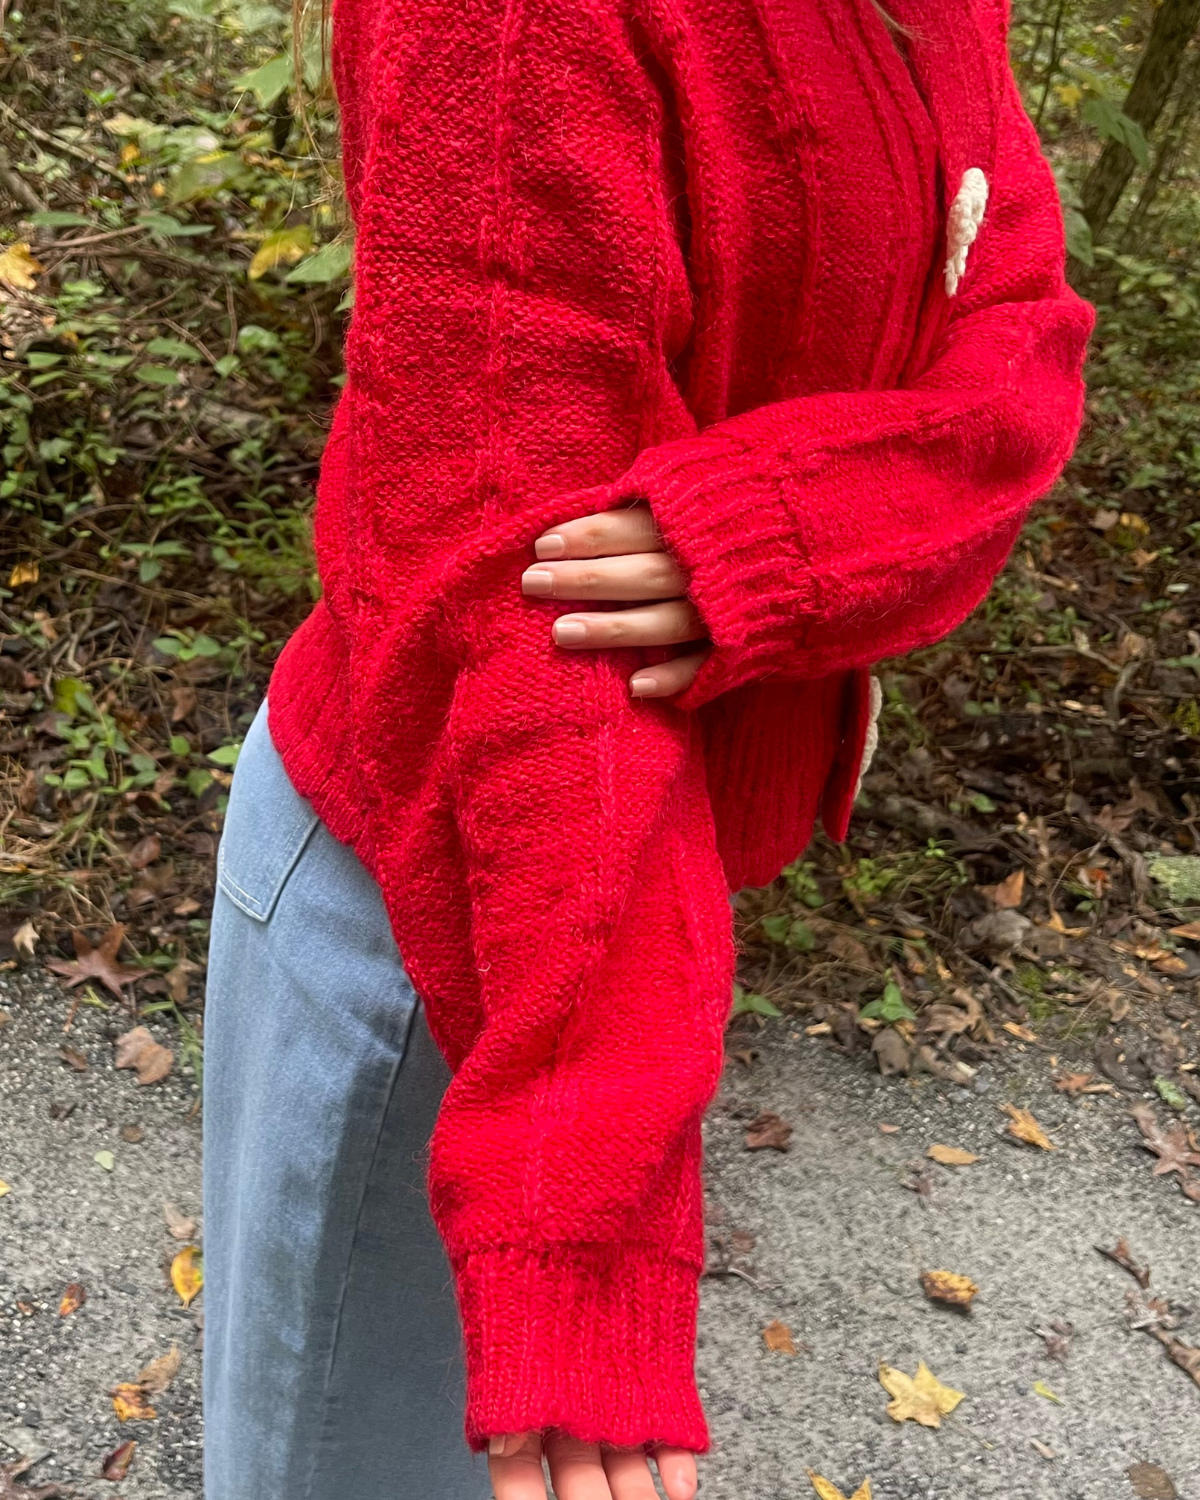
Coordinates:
[746,1002]
[890,1006]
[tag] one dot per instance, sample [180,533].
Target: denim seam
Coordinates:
[251,905]
[335,1340]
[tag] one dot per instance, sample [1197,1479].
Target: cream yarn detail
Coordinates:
[966,215]
[871,742]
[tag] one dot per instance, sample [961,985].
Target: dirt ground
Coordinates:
[838,1244]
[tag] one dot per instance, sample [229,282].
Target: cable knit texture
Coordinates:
[691,252]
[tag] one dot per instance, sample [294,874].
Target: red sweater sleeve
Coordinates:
[829,531]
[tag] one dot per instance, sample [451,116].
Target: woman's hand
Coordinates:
[619,556]
[583,1471]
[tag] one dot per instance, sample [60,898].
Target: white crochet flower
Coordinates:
[966,215]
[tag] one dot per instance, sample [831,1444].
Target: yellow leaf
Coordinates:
[23,572]
[921,1398]
[778,1338]
[130,1403]
[829,1491]
[187,1273]
[282,247]
[948,1287]
[1069,93]
[1023,1033]
[72,1300]
[4,1188]
[1042,1389]
[1025,1128]
[18,267]
[951,1156]
[129,153]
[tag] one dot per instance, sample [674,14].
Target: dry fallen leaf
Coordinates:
[1081,1083]
[1186,1356]
[1058,1335]
[1151,1483]
[1023,1127]
[1040,1388]
[1173,1146]
[1189,930]
[829,1491]
[949,1287]
[1009,894]
[10,1490]
[187,1273]
[4,1188]
[97,963]
[179,1226]
[1044,1450]
[889,1130]
[130,1403]
[778,1338]
[73,1058]
[1123,1255]
[73,1298]
[25,939]
[145,851]
[768,1130]
[951,1156]
[19,267]
[160,1372]
[921,1398]
[138,1050]
[116,1464]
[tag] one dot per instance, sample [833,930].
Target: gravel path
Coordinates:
[838,1245]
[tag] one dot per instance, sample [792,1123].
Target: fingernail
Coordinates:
[496,1447]
[550,546]
[569,632]
[640,686]
[538,582]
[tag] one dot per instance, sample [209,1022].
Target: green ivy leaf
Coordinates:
[226,755]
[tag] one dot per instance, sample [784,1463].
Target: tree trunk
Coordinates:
[1175,23]
[1166,158]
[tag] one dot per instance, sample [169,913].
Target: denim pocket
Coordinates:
[267,827]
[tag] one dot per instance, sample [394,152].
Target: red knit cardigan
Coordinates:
[692,251]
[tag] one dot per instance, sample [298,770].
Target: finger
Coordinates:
[665,624]
[668,677]
[638,575]
[629,1476]
[677,1470]
[576,1470]
[611,534]
[515,1466]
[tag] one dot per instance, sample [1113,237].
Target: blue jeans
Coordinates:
[332,1365]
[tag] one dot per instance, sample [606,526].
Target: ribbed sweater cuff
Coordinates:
[597,1342]
[726,522]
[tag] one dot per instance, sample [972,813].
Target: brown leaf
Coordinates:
[951,1156]
[1022,1033]
[889,1130]
[949,1288]
[778,1338]
[1186,1356]
[1058,1335]
[891,1052]
[1082,1083]
[183,699]
[768,1130]
[179,1227]
[145,851]
[1151,1483]
[138,1050]
[846,946]
[1043,1450]
[1189,930]
[1175,1150]
[11,1490]
[187,1273]
[133,1133]
[1123,1256]
[73,1298]
[1009,894]
[97,963]
[826,1490]
[74,1059]
[116,1464]
[1023,1127]
[160,1372]
[921,1398]
[130,1403]
[920,1183]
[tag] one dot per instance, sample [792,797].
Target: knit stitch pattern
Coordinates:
[689,252]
